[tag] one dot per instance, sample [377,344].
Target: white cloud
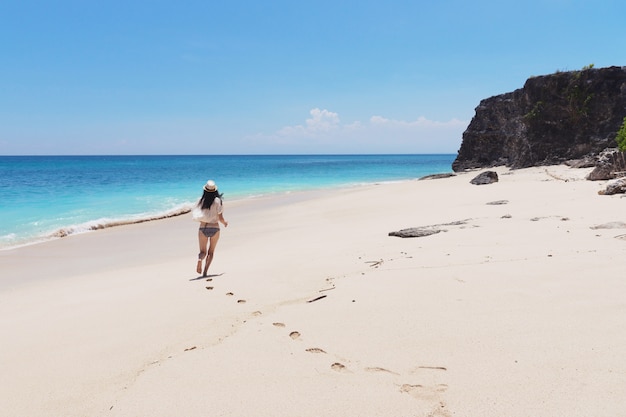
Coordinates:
[324,132]
[321,121]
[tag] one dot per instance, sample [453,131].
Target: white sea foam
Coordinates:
[11,241]
[8,237]
[105,223]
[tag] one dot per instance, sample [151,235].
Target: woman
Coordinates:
[209,213]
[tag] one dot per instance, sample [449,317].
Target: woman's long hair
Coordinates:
[207,199]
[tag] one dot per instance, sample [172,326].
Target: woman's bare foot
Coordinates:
[199,266]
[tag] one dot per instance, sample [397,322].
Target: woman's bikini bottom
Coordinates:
[209,231]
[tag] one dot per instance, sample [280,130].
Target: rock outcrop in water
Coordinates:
[552,119]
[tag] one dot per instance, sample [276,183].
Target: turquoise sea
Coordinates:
[42,197]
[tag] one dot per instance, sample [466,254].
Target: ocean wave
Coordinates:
[8,237]
[106,223]
[14,241]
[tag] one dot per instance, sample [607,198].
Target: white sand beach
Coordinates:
[311,309]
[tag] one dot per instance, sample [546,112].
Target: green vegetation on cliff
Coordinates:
[621,137]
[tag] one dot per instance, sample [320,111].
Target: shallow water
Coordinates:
[46,196]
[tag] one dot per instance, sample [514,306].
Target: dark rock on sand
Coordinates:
[617,186]
[610,225]
[487,177]
[610,164]
[426,230]
[437,176]
[415,232]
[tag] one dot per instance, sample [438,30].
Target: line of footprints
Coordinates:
[296,335]
[429,396]
[420,392]
[230,294]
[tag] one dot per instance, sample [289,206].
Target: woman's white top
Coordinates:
[210,215]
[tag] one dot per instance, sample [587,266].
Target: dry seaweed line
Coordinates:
[556,177]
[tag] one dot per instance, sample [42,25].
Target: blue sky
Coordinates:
[265,77]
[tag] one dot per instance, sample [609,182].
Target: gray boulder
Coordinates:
[437,176]
[415,232]
[487,177]
[617,186]
[611,164]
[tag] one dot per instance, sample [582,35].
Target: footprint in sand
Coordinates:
[257,313]
[316,350]
[278,324]
[422,392]
[377,369]
[229,293]
[338,367]
[439,368]
[209,288]
[294,335]
[209,279]
[241,301]
[434,368]
[429,397]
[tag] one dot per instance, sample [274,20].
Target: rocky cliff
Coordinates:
[552,119]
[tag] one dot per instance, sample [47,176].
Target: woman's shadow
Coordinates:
[206,276]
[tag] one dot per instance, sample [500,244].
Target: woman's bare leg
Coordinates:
[202,240]
[209,258]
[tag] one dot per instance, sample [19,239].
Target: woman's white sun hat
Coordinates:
[210,186]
